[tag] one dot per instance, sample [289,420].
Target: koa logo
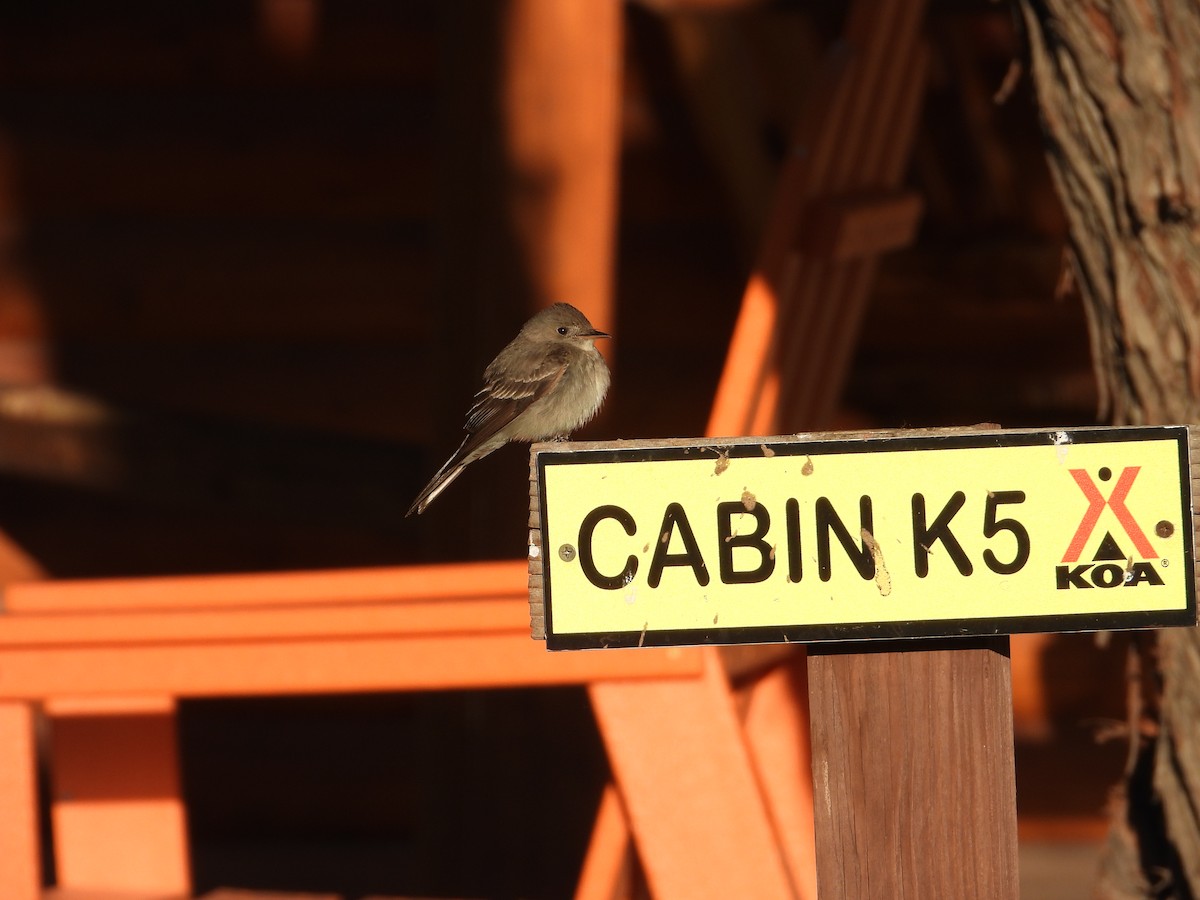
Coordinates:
[1110,565]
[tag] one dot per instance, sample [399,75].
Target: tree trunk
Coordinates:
[1118,88]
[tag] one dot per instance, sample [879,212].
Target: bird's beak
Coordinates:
[597,334]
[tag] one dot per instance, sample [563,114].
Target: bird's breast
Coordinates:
[573,402]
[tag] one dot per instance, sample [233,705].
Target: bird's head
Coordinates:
[561,323]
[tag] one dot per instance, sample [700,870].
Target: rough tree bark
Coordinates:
[1118,88]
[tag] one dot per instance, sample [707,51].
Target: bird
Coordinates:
[548,381]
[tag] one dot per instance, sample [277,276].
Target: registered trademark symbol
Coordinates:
[1165,563]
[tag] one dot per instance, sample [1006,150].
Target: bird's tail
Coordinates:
[438,483]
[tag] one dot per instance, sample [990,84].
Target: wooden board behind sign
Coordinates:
[913,769]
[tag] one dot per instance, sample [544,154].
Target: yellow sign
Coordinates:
[921,534]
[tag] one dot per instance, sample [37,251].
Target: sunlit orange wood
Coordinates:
[440,662]
[752,347]
[561,107]
[20,874]
[344,620]
[776,727]
[1031,705]
[116,808]
[743,375]
[689,787]
[400,584]
[15,563]
[608,866]
[104,676]
[57,893]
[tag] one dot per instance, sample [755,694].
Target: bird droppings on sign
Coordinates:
[749,501]
[1062,441]
[722,462]
[807,468]
[766,451]
[883,579]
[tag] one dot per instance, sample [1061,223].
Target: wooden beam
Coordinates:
[20,855]
[608,868]
[399,584]
[239,668]
[561,102]
[861,224]
[828,299]
[689,787]
[775,723]
[117,807]
[913,766]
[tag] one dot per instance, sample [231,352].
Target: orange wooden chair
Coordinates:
[711,785]
[838,207]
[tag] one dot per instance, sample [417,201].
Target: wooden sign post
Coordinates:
[902,560]
[913,770]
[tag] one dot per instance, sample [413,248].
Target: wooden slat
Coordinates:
[61,893]
[748,360]
[20,873]
[116,804]
[561,101]
[823,316]
[861,224]
[238,894]
[537,600]
[1194,467]
[776,725]
[401,583]
[311,666]
[689,788]
[815,380]
[327,621]
[608,866]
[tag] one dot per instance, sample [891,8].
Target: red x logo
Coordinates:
[1115,502]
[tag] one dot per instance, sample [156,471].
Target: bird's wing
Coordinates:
[505,396]
[500,401]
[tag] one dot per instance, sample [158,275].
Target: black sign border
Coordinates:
[741,448]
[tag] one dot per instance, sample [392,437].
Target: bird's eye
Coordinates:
[562,329]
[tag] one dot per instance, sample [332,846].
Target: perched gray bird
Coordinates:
[549,381]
